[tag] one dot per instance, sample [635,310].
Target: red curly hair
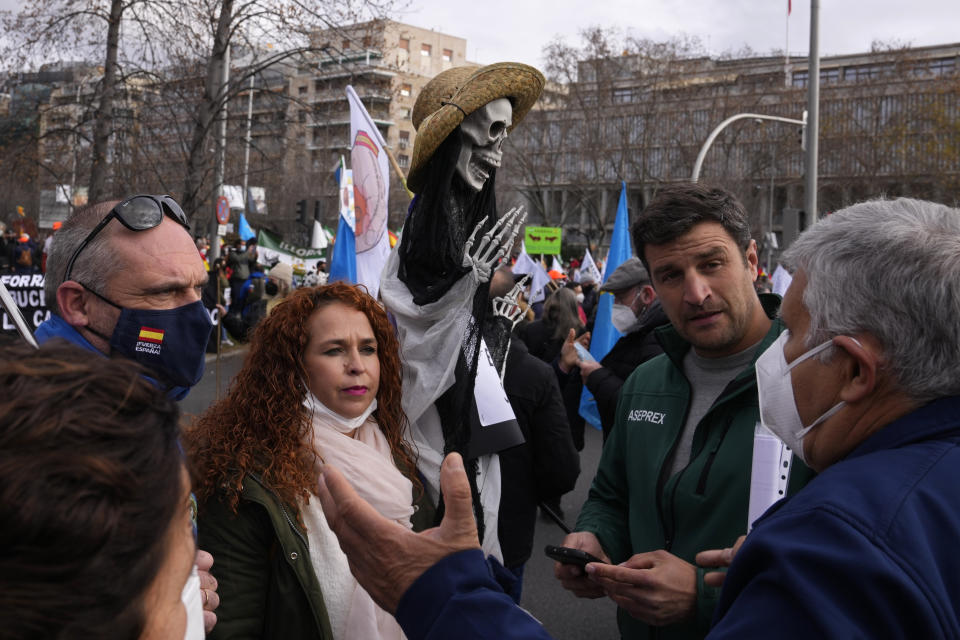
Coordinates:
[261,426]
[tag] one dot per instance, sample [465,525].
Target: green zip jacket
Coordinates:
[631,509]
[267,585]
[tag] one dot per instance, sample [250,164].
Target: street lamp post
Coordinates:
[723,125]
[813,108]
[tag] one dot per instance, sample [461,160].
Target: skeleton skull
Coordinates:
[483,133]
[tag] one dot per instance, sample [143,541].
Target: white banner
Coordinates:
[371,187]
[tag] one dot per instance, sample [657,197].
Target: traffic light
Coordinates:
[302,212]
[802,132]
[316,209]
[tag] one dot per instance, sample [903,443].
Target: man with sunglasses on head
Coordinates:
[124,279]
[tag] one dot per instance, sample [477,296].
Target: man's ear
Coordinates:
[860,368]
[753,259]
[72,301]
[647,295]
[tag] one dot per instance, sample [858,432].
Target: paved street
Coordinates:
[566,617]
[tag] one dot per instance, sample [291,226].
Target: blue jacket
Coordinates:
[57,327]
[869,549]
[459,598]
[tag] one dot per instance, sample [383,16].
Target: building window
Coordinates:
[366,42]
[405,113]
[345,45]
[830,76]
[447,55]
[302,116]
[621,96]
[425,50]
[405,90]
[302,90]
[403,161]
[404,139]
[941,67]
[405,44]
[800,78]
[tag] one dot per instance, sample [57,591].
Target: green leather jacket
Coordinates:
[632,508]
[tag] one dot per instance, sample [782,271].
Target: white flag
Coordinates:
[589,268]
[371,187]
[318,239]
[781,280]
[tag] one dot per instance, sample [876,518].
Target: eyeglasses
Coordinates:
[137,213]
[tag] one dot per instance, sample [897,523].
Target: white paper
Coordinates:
[769,474]
[492,402]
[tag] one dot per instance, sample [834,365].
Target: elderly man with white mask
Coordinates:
[865,386]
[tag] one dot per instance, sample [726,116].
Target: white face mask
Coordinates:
[778,408]
[579,298]
[623,318]
[193,602]
[339,422]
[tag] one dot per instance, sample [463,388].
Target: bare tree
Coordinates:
[269,32]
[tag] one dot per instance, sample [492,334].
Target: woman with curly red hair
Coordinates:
[320,384]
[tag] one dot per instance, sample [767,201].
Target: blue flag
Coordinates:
[243,229]
[343,264]
[605,335]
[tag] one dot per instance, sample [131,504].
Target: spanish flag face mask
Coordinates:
[169,342]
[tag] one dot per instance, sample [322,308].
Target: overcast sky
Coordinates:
[498,30]
[516,30]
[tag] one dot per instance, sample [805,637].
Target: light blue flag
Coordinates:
[605,335]
[343,264]
[243,229]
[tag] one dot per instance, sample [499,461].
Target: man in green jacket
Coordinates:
[674,477]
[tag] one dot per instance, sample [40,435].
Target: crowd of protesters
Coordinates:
[307,494]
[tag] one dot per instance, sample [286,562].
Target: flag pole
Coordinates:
[786,60]
[396,167]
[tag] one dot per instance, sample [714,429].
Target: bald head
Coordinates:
[501,283]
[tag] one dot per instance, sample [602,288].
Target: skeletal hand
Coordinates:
[508,306]
[494,244]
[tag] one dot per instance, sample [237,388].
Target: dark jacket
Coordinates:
[546,465]
[632,508]
[867,550]
[627,354]
[267,585]
[540,341]
[538,338]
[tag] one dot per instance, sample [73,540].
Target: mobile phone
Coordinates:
[566,555]
[582,354]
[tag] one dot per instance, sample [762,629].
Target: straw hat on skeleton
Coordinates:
[456,93]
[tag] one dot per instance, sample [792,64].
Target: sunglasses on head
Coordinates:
[137,213]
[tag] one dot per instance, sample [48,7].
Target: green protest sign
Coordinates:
[544,240]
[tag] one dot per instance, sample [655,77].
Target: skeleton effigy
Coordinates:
[436,284]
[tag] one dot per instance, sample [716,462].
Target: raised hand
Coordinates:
[494,244]
[508,306]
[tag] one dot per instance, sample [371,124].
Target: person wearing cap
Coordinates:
[435,284]
[24,255]
[47,244]
[636,313]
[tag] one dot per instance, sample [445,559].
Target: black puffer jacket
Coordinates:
[627,354]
